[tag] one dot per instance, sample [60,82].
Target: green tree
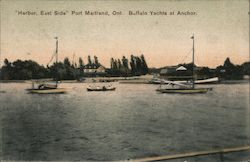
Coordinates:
[112,63]
[119,64]
[66,62]
[139,69]
[133,64]
[229,71]
[125,67]
[246,68]
[144,65]
[58,71]
[21,70]
[96,60]
[115,64]
[81,66]
[125,62]
[6,70]
[89,60]
[71,72]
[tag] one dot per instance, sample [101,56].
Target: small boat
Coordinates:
[47,88]
[102,88]
[214,80]
[175,87]
[48,91]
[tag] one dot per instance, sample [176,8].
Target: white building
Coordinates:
[94,69]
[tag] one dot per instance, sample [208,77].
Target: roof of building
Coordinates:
[173,70]
[181,68]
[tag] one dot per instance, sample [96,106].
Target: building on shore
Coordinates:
[94,69]
[185,73]
[176,73]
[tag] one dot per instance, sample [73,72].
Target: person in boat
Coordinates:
[41,86]
[45,86]
[104,88]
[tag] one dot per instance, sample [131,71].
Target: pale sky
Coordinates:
[221,29]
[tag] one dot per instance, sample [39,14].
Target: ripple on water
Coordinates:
[134,121]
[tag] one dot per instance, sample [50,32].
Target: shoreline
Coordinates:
[135,80]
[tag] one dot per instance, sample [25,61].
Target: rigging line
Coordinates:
[51,58]
[186,56]
[197,60]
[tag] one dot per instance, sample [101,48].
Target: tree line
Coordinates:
[227,71]
[231,71]
[28,69]
[123,67]
[68,70]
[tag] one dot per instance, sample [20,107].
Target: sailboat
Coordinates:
[175,87]
[48,88]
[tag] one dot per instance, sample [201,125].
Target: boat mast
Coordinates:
[56,60]
[193,63]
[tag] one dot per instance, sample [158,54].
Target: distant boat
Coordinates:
[213,80]
[48,91]
[101,88]
[47,88]
[175,87]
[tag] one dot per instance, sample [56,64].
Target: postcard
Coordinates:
[133,80]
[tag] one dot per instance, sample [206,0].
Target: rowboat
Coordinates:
[103,88]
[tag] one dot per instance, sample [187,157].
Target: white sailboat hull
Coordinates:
[48,91]
[204,81]
[185,91]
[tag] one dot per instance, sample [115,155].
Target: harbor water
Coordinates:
[134,121]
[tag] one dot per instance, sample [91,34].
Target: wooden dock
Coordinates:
[193,154]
